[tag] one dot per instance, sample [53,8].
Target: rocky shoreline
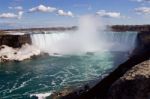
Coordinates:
[134,84]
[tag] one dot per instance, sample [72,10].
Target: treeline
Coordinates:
[117,28]
[43,29]
[130,28]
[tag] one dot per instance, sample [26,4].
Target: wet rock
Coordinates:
[60,94]
[135,84]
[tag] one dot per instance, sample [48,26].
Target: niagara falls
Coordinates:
[74,49]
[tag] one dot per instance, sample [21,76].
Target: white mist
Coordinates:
[89,37]
[85,39]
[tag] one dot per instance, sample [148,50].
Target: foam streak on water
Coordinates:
[41,95]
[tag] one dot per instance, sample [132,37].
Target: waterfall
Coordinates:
[51,42]
[119,41]
[65,43]
[90,37]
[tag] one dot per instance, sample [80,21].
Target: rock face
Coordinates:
[15,41]
[143,42]
[135,84]
[144,39]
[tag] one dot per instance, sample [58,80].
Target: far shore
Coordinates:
[116,28]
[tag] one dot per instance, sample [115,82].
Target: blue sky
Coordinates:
[40,13]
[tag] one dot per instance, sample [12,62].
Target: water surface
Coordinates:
[18,80]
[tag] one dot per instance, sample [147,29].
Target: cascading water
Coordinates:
[119,41]
[90,37]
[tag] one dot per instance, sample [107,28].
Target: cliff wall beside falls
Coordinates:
[143,38]
[143,42]
[15,41]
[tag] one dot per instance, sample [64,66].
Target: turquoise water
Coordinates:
[18,80]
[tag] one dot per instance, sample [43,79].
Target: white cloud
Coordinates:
[42,8]
[141,0]
[8,15]
[12,15]
[62,13]
[104,13]
[143,10]
[16,8]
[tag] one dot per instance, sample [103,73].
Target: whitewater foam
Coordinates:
[18,54]
[41,95]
